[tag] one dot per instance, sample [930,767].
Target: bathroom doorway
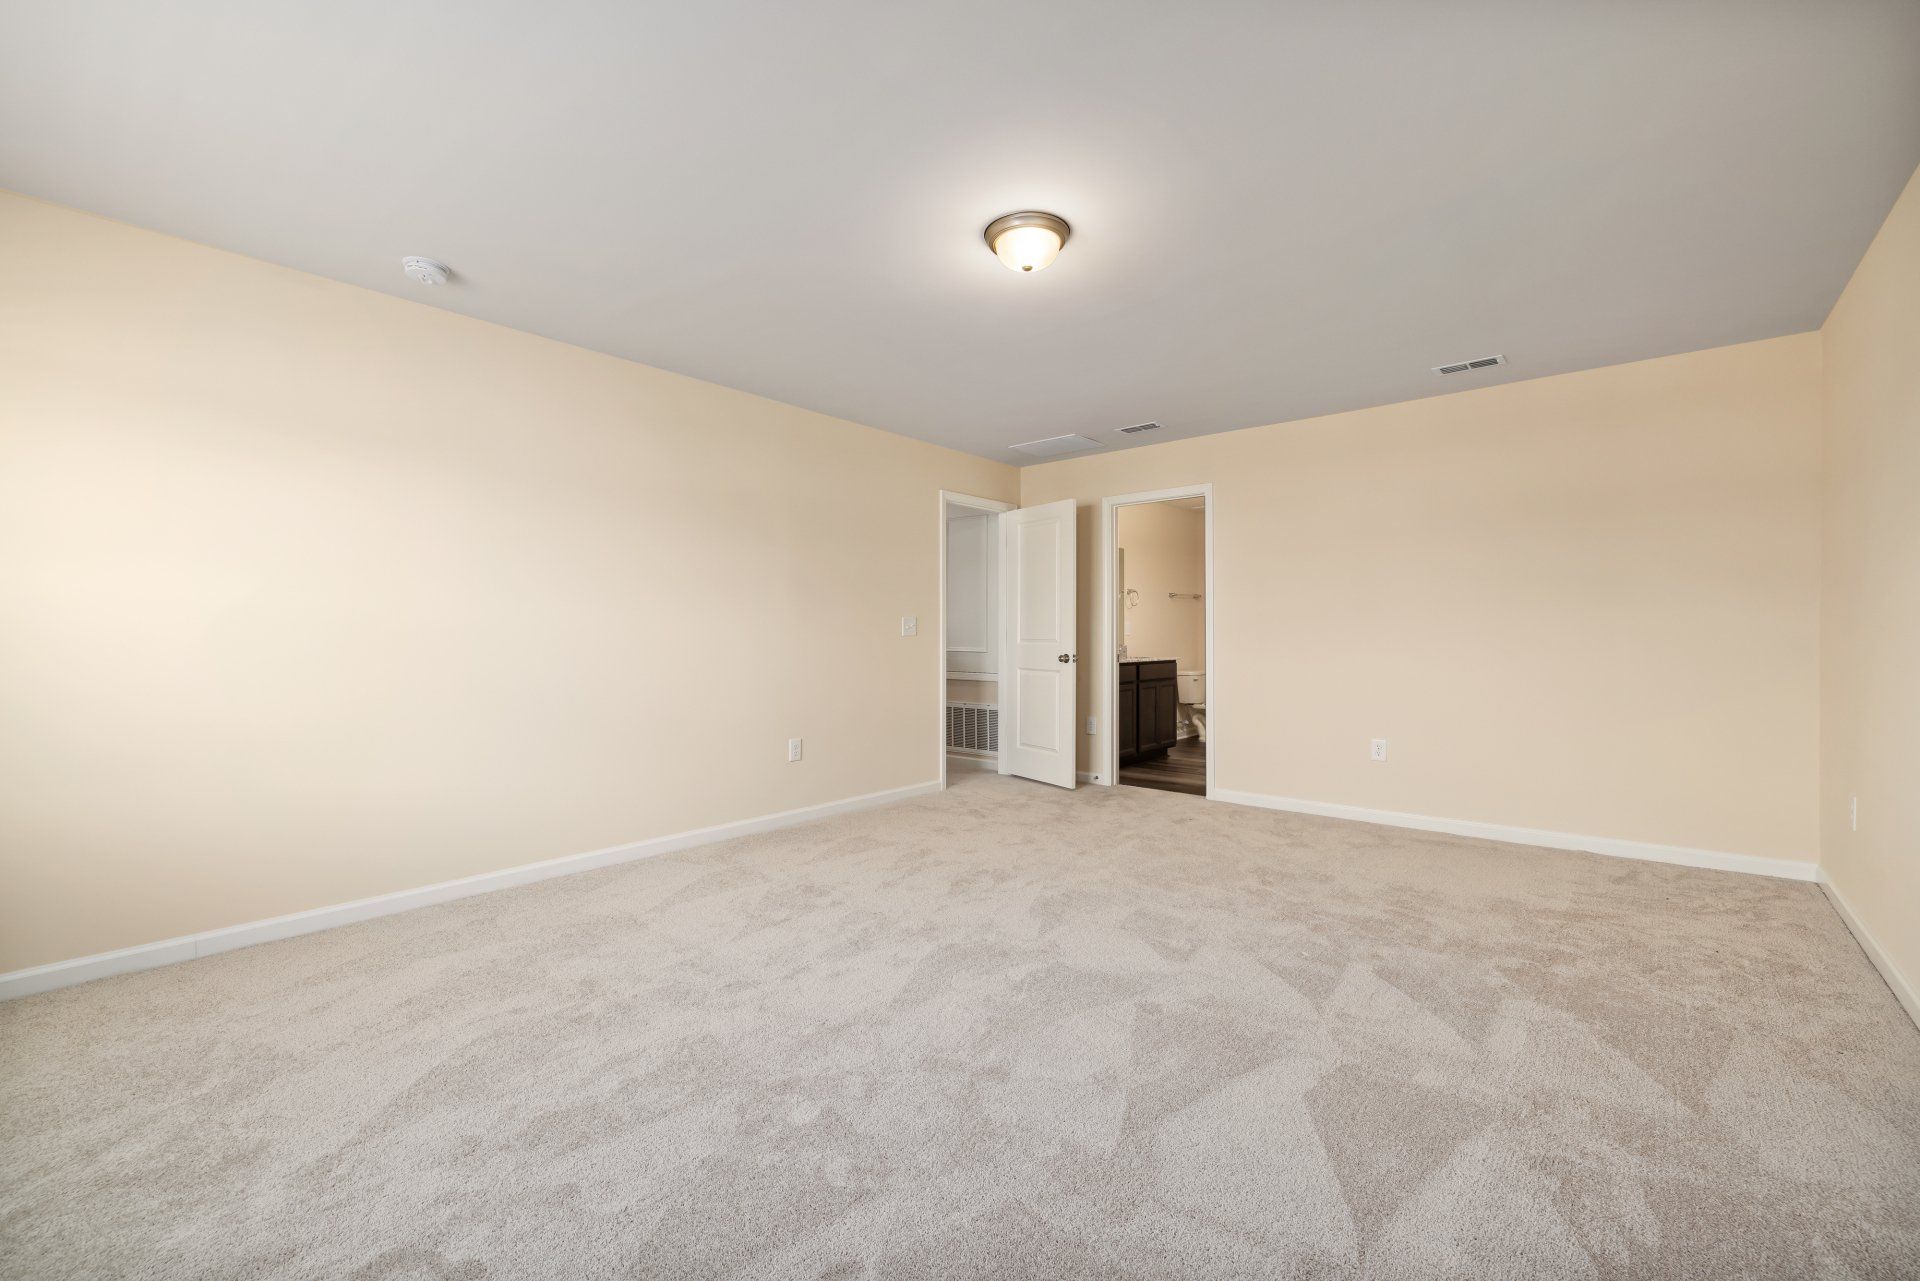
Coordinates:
[1157,633]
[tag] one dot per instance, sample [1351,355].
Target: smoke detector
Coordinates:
[425,271]
[1462,366]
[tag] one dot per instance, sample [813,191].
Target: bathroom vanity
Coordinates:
[1147,716]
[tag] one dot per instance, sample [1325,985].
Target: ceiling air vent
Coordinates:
[1135,431]
[1055,446]
[1485,362]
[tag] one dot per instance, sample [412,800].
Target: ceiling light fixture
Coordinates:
[1029,240]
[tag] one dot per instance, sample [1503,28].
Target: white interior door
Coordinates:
[1038,602]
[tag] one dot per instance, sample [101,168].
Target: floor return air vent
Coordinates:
[973,727]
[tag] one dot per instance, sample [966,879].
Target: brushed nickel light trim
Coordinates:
[1026,218]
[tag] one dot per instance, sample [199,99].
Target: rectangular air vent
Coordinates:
[1135,431]
[973,727]
[1055,446]
[1463,366]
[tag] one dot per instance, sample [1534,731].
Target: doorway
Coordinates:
[1157,641]
[969,633]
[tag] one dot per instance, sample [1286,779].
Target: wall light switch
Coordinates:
[793,749]
[909,625]
[1853,812]
[1379,749]
[1090,726]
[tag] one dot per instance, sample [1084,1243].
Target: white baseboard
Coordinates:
[1790,868]
[43,978]
[957,761]
[1904,989]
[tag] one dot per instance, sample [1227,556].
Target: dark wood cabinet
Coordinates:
[1147,713]
[1159,716]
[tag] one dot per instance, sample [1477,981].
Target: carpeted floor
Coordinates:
[1004,1032]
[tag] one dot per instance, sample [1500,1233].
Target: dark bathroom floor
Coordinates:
[1182,769]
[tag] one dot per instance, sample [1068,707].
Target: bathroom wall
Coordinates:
[1166,551]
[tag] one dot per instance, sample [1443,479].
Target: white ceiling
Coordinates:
[1279,209]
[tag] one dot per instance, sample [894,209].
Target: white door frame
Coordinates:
[949,498]
[1108,655]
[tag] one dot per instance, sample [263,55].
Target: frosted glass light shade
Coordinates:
[1027,248]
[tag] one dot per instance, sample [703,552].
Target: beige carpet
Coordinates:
[1005,1032]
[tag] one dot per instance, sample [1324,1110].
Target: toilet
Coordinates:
[1192,694]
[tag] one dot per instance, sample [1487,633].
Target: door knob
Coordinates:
[1066,658]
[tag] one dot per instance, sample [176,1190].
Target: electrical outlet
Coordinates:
[909,625]
[1379,749]
[1090,727]
[793,750]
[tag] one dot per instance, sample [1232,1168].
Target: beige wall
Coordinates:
[1587,603]
[310,594]
[1871,614]
[1166,549]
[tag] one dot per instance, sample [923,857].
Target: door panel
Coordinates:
[1038,590]
[1144,733]
[1034,721]
[1166,713]
[1036,551]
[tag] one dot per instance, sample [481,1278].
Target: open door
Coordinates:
[1038,602]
